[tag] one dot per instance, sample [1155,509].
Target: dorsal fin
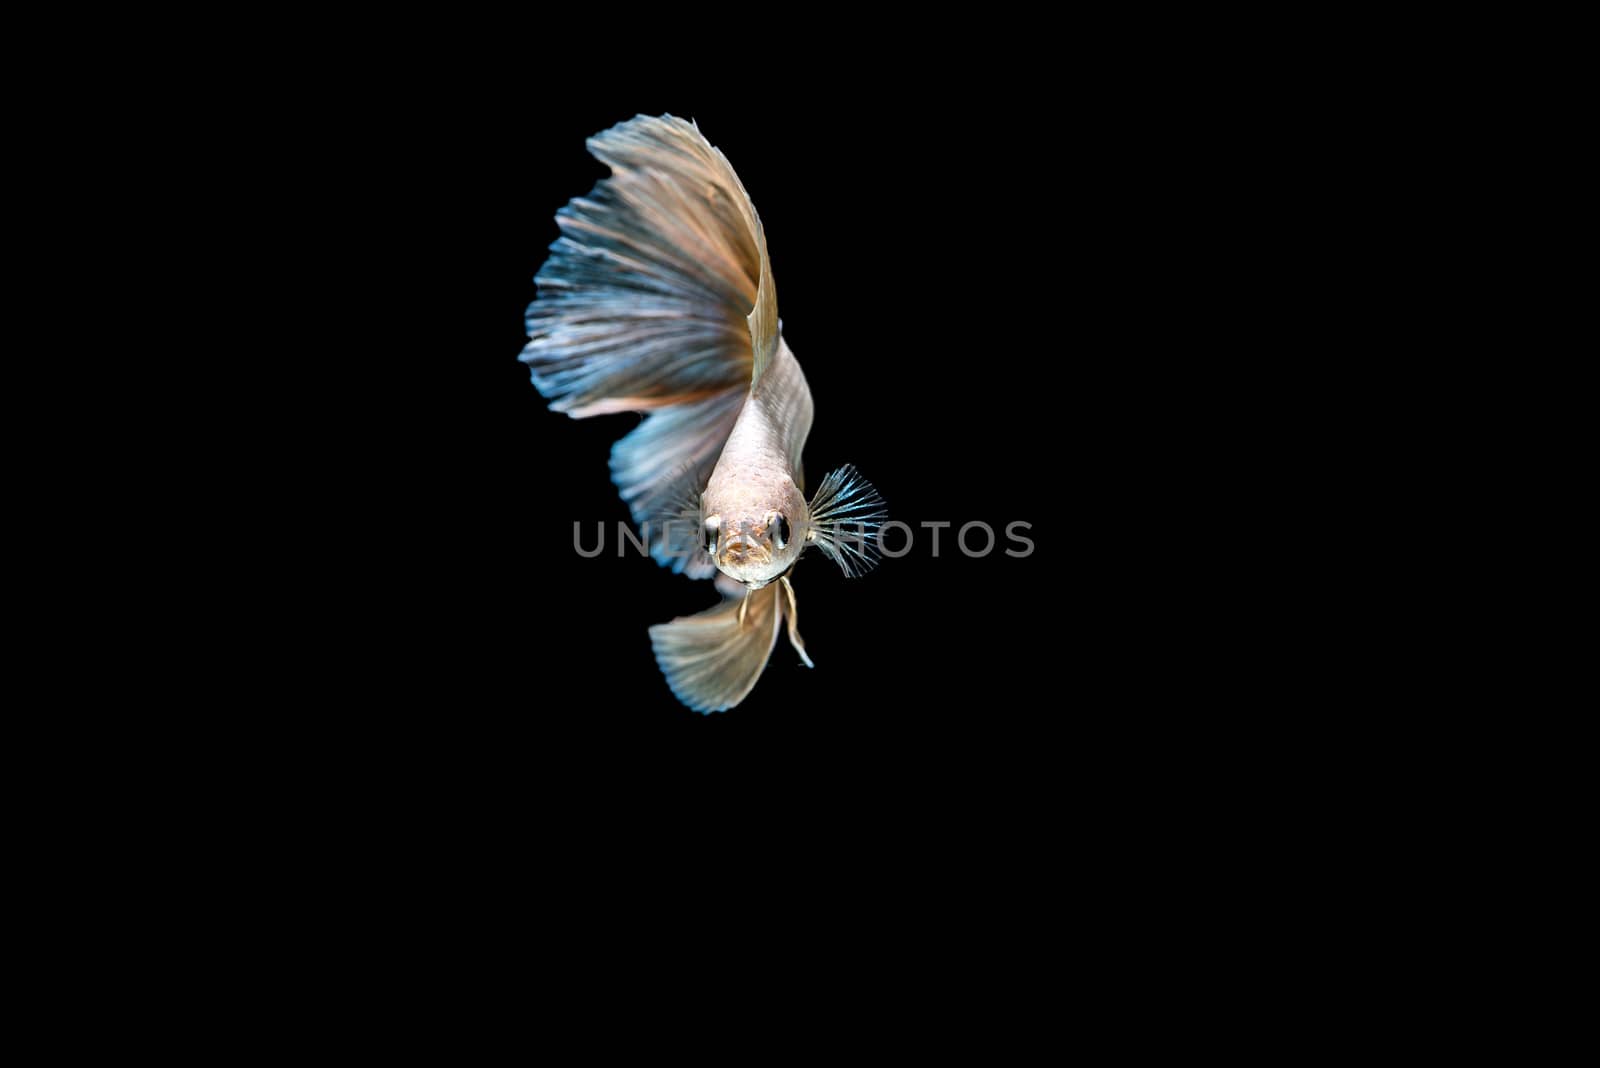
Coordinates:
[763,318]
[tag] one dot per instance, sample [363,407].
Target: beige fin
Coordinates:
[792,611]
[786,397]
[670,454]
[763,318]
[659,288]
[712,660]
[643,299]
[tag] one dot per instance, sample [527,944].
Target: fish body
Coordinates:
[757,477]
[658,298]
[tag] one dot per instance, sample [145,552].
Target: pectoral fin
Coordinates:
[847,515]
[712,660]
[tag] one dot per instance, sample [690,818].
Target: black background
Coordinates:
[1010,306]
[1022,286]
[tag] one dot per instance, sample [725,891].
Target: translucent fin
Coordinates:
[846,516]
[677,528]
[658,290]
[661,466]
[791,612]
[786,397]
[763,318]
[711,660]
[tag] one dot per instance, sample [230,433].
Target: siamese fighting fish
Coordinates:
[658,298]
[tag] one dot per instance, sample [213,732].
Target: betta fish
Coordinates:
[658,298]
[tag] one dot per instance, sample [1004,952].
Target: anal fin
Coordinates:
[712,660]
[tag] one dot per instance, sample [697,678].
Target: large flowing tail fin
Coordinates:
[656,298]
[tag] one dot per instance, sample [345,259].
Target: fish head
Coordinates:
[758,538]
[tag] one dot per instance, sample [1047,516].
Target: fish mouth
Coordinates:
[741,551]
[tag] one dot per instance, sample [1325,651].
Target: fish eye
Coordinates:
[713,526]
[780,529]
